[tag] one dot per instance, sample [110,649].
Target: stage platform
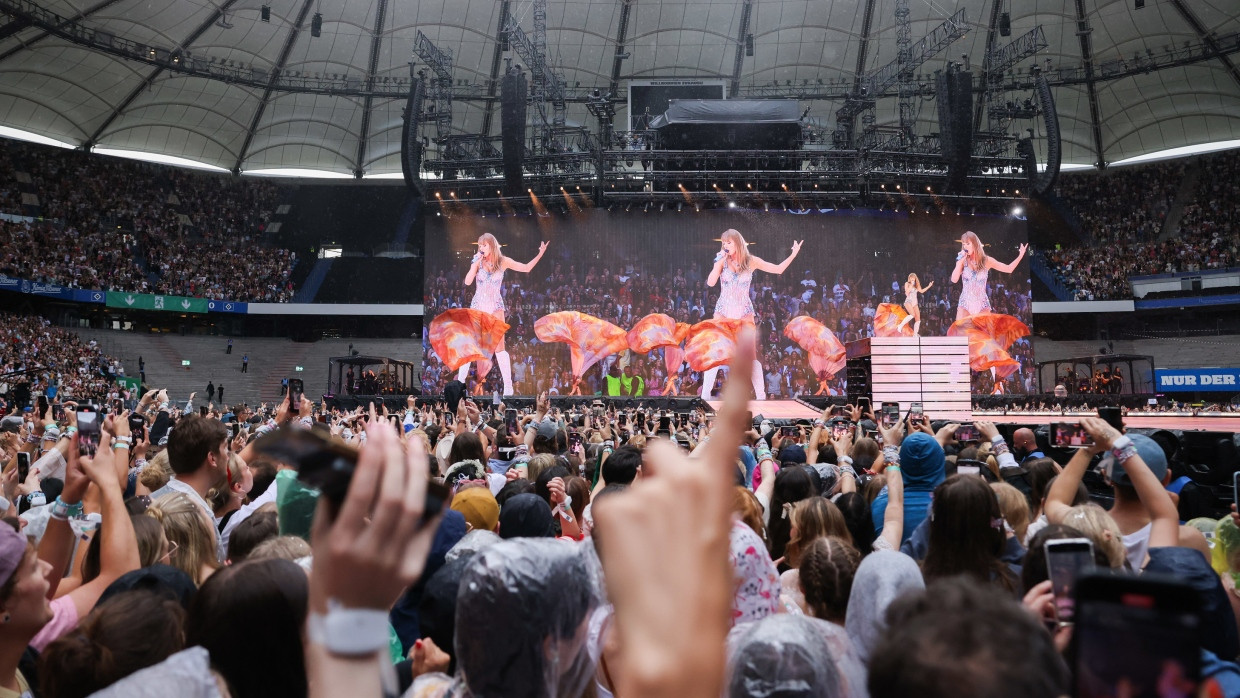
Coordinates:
[775,409]
[1172,422]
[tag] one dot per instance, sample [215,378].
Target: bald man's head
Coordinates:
[1025,440]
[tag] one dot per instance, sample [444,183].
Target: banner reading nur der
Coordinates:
[1197,379]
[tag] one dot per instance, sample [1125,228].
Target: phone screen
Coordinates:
[574,440]
[1135,637]
[137,426]
[1113,416]
[23,466]
[510,421]
[88,430]
[864,404]
[967,432]
[787,430]
[839,411]
[891,414]
[840,428]
[295,390]
[665,423]
[1068,435]
[42,405]
[1066,560]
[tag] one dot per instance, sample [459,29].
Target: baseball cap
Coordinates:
[1150,452]
[479,507]
[11,424]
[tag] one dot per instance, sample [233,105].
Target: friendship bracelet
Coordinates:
[63,510]
[1123,448]
[892,455]
[1000,446]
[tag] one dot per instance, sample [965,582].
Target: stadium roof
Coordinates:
[72,83]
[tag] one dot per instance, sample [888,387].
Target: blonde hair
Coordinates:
[498,256]
[218,496]
[538,463]
[978,247]
[742,248]
[281,548]
[1101,529]
[1014,506]
[912,279]
[185,525]
[157,472]
[814,518]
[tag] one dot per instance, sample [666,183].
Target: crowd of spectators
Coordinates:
[1125,226]
[583,555]
[628,291]
[123,225]
[37,358]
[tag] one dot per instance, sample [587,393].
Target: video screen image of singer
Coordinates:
[572,304]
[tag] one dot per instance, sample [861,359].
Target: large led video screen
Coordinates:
[665,296]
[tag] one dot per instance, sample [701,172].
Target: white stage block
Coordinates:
[931,370]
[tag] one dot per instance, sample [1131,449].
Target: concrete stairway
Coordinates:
[1185,196]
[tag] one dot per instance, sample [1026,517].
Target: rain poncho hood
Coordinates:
[186,674]
[922,464]
[790,656]
[539,591]
[882,577]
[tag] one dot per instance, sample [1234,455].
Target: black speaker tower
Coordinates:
[410,146]
[954,94]
[512,130]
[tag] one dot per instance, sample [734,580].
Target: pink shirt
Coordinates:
[64,619]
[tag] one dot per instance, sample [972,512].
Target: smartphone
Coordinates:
[118,406]
[88,430]
[891,414]
[42,405]
[840,427]
[575,440]
[327,465]
[232,428]
[1069,435]
[621,419]
[915,415]
[788,430]
[1067,560]
[967,432]
[1113,416]
[1135,636]
[23,466]
[510,421]
[137,426]
[665,424]
[296,388]
[864,404]
[840,411]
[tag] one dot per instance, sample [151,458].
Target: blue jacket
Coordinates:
[922,464]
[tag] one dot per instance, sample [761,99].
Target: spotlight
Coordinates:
[265,13]
[316,25]
[1018,211]
[679,207]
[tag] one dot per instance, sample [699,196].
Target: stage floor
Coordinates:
[791,409]
[1139,421]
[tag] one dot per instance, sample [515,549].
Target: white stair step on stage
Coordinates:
[931,370]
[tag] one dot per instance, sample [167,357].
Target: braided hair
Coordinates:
[828,566]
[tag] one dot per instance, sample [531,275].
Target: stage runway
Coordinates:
[1226,423]
[791,409]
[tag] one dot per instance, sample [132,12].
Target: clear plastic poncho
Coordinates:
[1225,557]
[793,656]
[521,623]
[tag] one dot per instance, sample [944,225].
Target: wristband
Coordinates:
[844,460]
[31,438]
[849,470]
[63,510]
[70,430]
[1000,446]
[350,632]
[892,467]
[1123,449]
[120,445]
[891,454]
[819,423]
[122,439]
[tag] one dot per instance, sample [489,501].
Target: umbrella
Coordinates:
[589,338]
[462,335]
[826,351]
[712,343]
[887,321]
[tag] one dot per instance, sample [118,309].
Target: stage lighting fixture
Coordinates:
[1018,211]
[679,207]
[1139,4]
[749,45]
[316,25]
[265,13]
[731,204]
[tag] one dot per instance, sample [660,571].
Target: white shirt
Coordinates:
[268,496]
[174,485]
[1137,546]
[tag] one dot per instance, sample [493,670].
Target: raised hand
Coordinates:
[796,246]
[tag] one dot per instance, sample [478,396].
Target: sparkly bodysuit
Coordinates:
[487,296]
[974,297]
[910,297]
[734,302]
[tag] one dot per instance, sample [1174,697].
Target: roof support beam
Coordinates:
[275,76]
[497,61]
[622,36]
[372,68]
[150,77]
[1083,31]
[864,47]
[996,8]
[103,5]
[12,27]
[1206,37]
[741,32]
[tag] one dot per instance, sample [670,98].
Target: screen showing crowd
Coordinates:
[540,303]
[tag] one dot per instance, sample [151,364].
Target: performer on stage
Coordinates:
[912,287]
[488,267]
[974,265]
[734,266]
